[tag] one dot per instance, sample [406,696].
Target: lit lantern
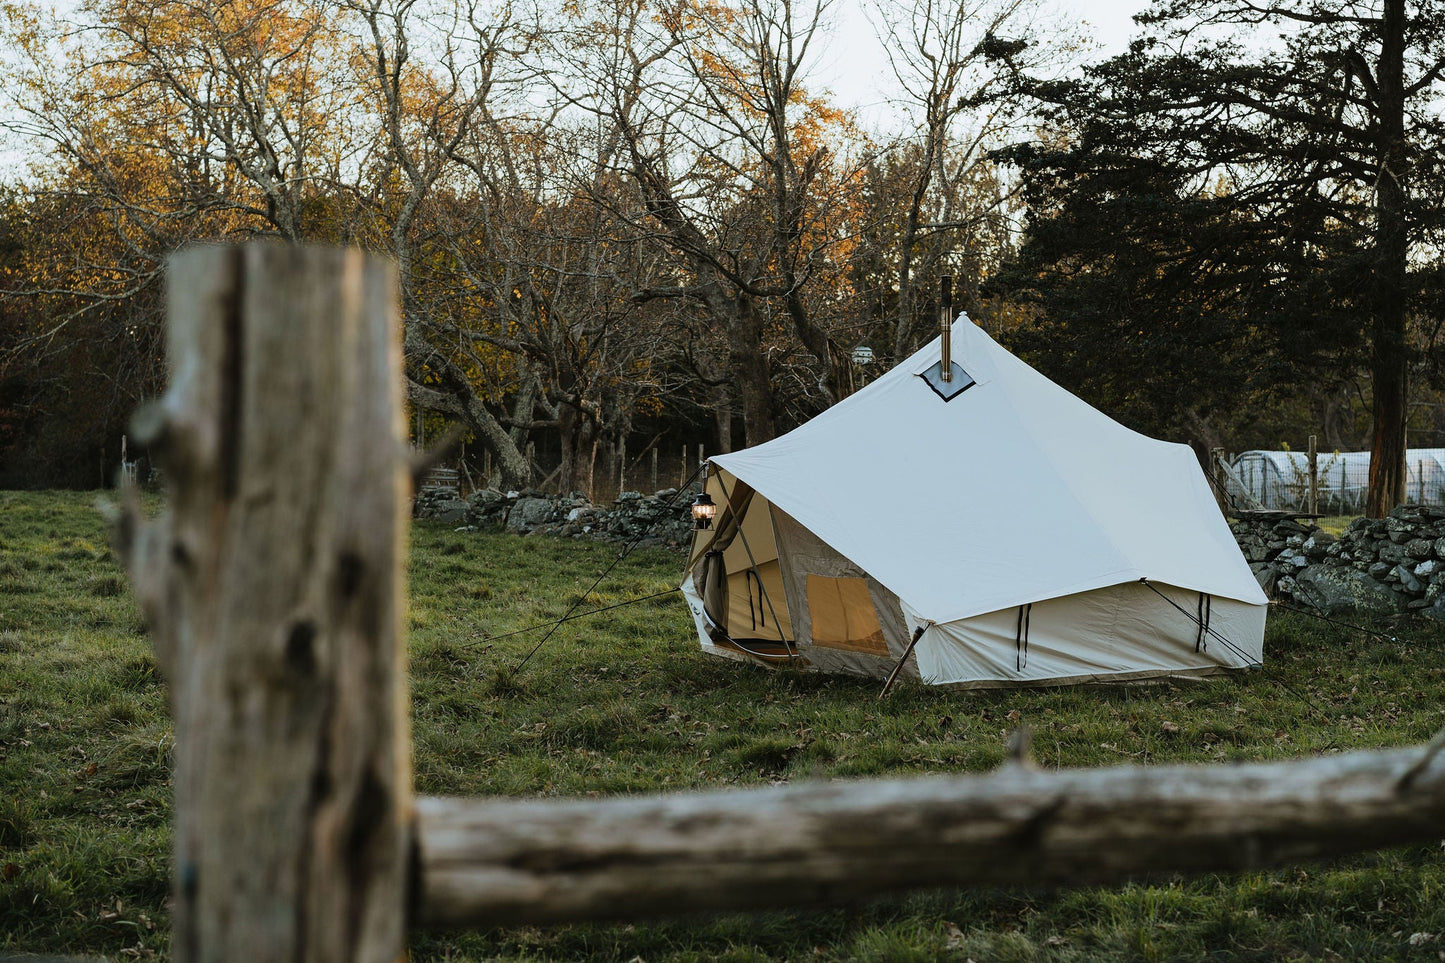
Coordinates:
[703,510]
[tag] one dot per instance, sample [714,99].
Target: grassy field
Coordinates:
[625,703]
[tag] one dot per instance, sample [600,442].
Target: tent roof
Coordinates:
[1013,492]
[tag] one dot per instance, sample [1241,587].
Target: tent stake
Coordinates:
[917,634]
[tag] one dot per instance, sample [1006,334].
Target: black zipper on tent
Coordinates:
[1021,637]
[1206,605]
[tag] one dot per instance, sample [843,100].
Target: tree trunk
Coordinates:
[272,586]
[907,284]
[567,443]
[820,346]
[460,402]
[524,404]
[586,458]
[752,374]
[1390,354]
[578,439]
[722,415]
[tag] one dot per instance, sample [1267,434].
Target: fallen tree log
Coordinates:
[484,862]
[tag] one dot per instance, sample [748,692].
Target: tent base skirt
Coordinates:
[723,649]
[1141,677]
[768,652]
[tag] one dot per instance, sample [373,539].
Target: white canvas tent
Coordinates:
[1029,537]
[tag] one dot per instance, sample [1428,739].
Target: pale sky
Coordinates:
[854,66]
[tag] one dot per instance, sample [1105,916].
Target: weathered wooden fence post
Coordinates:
[1217,473]
[272,585]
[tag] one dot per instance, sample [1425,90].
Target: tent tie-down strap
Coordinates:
[1206,605]
[1203,624]
[1021,637]
[759,613]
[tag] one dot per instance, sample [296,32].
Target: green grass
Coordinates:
[1335,524]
[625,703]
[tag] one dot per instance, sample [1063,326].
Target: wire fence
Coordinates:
[1282,480]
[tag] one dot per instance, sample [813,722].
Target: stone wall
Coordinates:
[659,519]
[1386,565]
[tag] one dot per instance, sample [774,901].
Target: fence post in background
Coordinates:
[1216,471]
[531,462]
[622,465]
[272,587]
[699,456]
[128,470]
[1314,502]
[1420,482]
[654,468]
[682,467]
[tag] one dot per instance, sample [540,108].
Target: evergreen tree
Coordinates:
[1227,212]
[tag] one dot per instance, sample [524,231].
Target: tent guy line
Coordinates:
[571,618]
[1348,625]
[608,570]
[1202,622]
[1324,716]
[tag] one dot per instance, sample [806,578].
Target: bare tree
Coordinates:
[955,62]
[703,109]
[430,111]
